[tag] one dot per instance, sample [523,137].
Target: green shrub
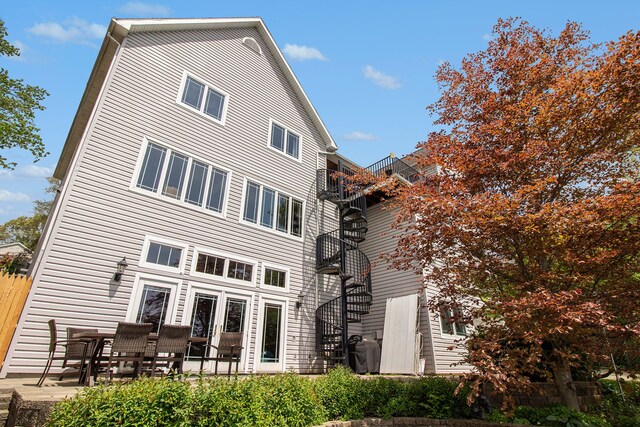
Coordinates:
[144,402]
[619,412]
[347,397]
[559,416]
[280,400]
[343,395]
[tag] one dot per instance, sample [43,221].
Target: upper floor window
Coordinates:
[204,98]
[272,209]
[179,177]
[284,140]
[451,324]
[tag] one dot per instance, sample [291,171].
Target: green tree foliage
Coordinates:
[27,229]
[18,104]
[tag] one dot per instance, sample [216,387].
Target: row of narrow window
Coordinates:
[180,177]
[170,256]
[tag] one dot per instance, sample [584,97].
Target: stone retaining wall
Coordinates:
[546,394]
[414,422]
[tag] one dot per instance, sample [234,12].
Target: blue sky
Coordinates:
[366,66]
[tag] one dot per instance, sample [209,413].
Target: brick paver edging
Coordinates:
[414,422]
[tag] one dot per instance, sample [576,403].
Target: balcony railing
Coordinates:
[393,166]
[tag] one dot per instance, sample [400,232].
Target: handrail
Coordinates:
[357,264]
[392,165]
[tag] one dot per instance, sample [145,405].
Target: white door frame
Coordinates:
[280,366]
[142,279]
[222,293]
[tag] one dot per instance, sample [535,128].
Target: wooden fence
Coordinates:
[13,294]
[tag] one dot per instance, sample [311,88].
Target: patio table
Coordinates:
[98,340]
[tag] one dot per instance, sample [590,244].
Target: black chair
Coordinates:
[75,349]
[229,349]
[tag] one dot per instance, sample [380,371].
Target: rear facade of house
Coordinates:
[195,155]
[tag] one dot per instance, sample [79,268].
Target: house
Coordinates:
[196,156]
[13,248]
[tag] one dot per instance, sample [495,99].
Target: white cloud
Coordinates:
[23,50]
[34,171]
[486,37]
[74,30]
[9,196]
[27,171]
[381,79]
[303,53]
[147,10]
[360,136]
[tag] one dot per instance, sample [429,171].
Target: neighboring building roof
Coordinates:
[118,30]
[13,248]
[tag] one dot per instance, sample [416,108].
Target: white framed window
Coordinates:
[222,266]
[449,321]
[163,254]
[153,300]
[269,208]
[170,175]
[274,277]
[203,98]
[284,140]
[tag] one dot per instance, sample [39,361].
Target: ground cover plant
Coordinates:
[279,400]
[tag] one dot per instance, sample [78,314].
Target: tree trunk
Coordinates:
[564,383]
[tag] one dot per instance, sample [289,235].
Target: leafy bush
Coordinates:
[559,416]
[346,396]
[280,400]
[343,395]
[144,402]
[619,412]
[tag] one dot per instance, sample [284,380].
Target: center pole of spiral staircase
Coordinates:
[343,265]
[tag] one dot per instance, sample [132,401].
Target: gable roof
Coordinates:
[120,28]
[17,246]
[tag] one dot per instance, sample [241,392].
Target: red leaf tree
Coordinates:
[531,228]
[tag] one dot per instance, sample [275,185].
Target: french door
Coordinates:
[211,312]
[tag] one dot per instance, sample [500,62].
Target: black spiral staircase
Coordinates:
[337,253]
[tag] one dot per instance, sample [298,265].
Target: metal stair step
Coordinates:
[328,269]
[354,285]
[351,211]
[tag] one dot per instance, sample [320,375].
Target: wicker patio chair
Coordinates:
[229,349]
[171,347]
[75,349]
[129,345]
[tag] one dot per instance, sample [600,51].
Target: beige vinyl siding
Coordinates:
[102,220]
[388,282]
[446,361]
